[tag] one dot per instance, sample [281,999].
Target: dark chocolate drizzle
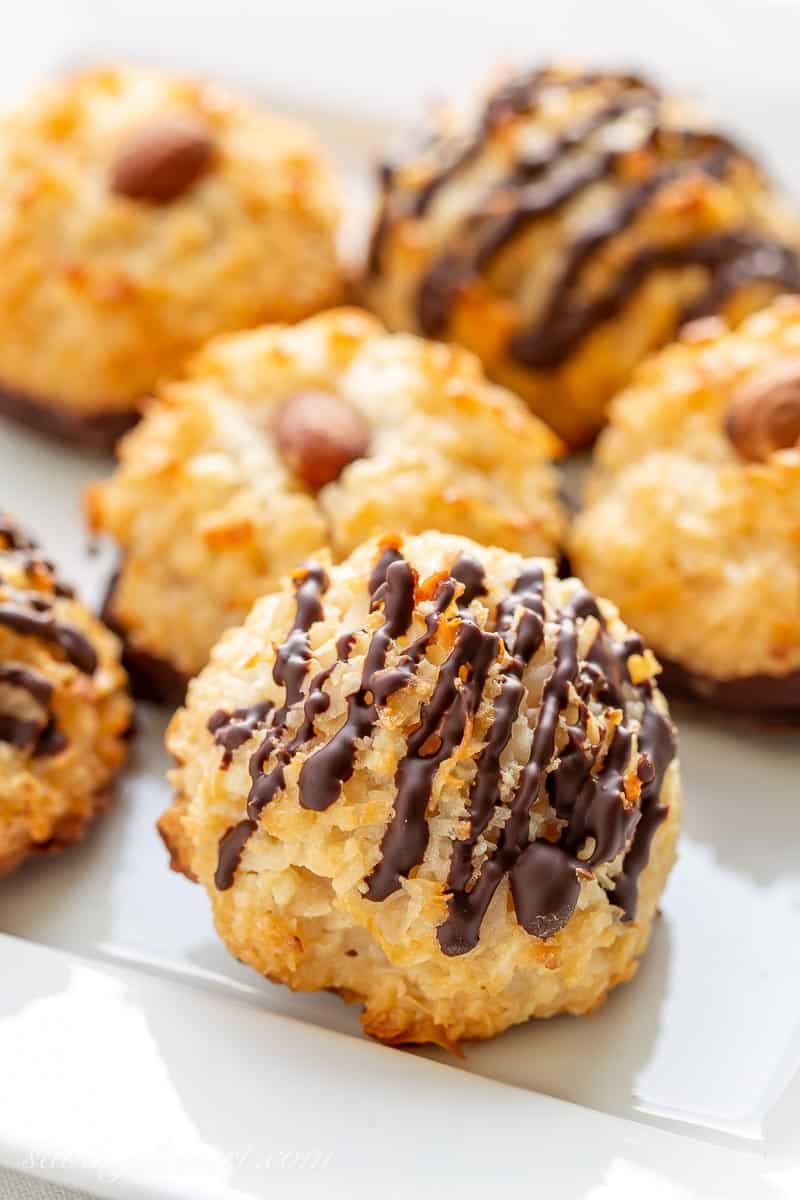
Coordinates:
[731,259]
[26,617]
[442,725]
[265,786]
[232,730]
[39,734]
[657,738]
[231,849]
[545,182]
[378,576]
[460,931]
[469,572]
[28,680]
[585,787]
[742,259]
[523,643]
[517,96]
[598,821]
[31,613]
[19,732]
[324,772]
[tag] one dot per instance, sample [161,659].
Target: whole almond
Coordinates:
[764,411]
[162,161]
[318,433]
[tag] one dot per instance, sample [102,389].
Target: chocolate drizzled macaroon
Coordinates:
[693,517]
[565,227]
[140,214]
[436,779]
[64,709]
[285,440]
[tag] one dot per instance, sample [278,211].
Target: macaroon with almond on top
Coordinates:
[285,440]
[692,521]
[142,213]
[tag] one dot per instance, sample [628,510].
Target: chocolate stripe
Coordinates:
[657,742]
[231,848]
[545,877]
[518,96]
[469,572]
[544,183]
[378,577]
[266,787]
[290,669]
[561,325]
[444,720]
[527,593]
[752,260]
[28,622]
[232,729]
[544,349]
[41,734]
[324,772]
[17,675]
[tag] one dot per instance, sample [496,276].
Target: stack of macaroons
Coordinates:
[692,520]
[65,713]
[565,227]
[286,440]
[140,214]
[436,779]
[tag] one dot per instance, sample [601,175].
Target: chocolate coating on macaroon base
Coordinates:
[153,679]
[96,431]
[769,696]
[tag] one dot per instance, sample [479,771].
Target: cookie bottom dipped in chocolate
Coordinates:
[770,696]
[152,678]
[96,431]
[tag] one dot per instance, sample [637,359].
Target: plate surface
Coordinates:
[124,1024]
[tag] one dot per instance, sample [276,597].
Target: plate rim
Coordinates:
[624,1152]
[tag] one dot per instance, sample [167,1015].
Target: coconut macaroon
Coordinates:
[434,778]
[285,440]
[65,714]
[692,522]
[566,225]
[140,214]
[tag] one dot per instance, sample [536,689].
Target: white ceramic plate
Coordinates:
[138,1059]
